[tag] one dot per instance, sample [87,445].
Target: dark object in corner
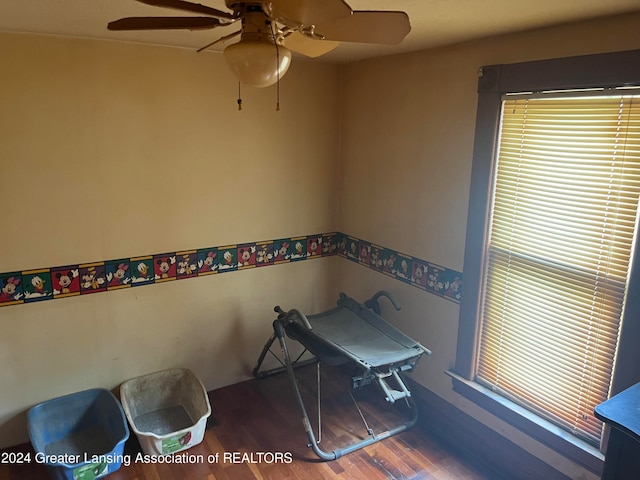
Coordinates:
[622,412]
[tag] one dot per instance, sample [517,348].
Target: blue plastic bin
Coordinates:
[79,436]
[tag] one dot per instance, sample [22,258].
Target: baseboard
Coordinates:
[475,441]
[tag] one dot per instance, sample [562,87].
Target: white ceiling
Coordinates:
[433,22]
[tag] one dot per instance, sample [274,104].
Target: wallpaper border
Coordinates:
[430,277]
[28,286]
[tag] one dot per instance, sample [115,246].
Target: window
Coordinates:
[563,218]
[546,318]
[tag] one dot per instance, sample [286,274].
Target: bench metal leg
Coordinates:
[279,333]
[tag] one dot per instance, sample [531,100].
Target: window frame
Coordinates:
[588,71]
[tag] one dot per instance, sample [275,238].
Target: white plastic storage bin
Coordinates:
[167,410]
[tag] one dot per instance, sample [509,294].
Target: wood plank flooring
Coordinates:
[256,431]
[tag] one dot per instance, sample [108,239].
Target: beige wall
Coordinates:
[112,150]
[408,128]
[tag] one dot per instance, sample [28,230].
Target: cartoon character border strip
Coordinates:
[27,286]
[426,276]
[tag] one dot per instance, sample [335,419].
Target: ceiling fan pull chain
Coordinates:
[239,97]
[278,87]
[275,42]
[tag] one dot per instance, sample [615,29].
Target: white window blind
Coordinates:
[562,229]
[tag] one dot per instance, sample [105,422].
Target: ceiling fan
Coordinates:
[271,29]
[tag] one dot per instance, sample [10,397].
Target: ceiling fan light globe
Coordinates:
[257,63]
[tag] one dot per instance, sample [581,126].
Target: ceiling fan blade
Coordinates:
[308,12]
[387,28]
[308,47]
[189,7]
[164,23]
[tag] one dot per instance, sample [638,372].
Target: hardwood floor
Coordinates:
[256,431]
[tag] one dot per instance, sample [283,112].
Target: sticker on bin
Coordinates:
[177,443]
[91,471]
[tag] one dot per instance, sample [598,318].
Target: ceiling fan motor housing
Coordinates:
[258,59]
